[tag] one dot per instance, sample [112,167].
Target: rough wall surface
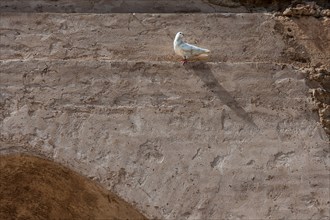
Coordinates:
[232,138]
[150,6]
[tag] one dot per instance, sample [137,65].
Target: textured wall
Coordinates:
[234,138]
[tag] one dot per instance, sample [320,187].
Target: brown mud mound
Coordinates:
[32,187]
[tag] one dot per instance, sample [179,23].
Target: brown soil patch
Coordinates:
[34,188]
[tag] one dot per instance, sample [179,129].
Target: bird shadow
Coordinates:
[204,72]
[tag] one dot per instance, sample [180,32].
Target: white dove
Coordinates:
[186,50]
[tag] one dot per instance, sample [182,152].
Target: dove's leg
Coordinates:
[184,61]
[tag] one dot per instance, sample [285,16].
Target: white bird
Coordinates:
[185,50]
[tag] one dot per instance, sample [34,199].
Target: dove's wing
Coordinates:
[192,50]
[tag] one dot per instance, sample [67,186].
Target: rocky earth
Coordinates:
[242,135]
[297,25]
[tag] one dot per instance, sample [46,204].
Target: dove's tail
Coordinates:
[203,53]
[202,50]
[206,51]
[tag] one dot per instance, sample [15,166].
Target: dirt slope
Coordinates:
[34,188]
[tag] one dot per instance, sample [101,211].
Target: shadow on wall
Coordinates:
[204,72]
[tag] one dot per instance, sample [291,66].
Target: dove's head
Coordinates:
[179,35]
[178,38]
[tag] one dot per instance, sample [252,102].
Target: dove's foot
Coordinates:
[184,61]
